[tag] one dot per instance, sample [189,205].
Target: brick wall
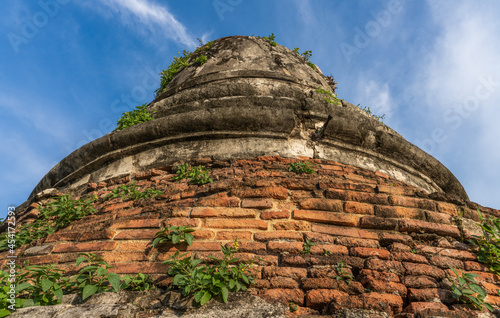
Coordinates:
[398,241]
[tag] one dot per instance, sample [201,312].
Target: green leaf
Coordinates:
[80,259]
[489,307]
[4,312]
[114,280]
[478,289]
[88,291]
[46,284]
[23,286]
[206,297]
[198,295]
[101,271]
[189,239]
[225,294]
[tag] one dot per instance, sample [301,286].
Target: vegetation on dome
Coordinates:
[131,118]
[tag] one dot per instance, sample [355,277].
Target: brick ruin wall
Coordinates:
[399,241]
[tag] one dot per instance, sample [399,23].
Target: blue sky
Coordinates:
[70,68]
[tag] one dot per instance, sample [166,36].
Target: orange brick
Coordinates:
[356,242]
[67,236]
[127,256]
[412,202]
[420,282]
[333,249]
[269,192]
[218,200]
[396,190]
[222,212]
[358,208]
[203,246]
[203,234]
[357,196]
[133,246]
[292,226]
[136,223]
[250,247]
[461,255]
[284,295]
[410,257]
[118,206]
[257,203]
[387,239]
[99,235]
[366,252]
[270,215]
[385,266]
[416,307]
[85,247]
[236,224]
[437,217]
[42,259]
[278,235]
[345,185]
[446,262]
[320,298]
[291,272]
[399,212]
[386,287]
[290,247]
[411,226]
[141,267]
[447,208]
[136,235]
[321,204]
[423,269]
[373,222]
[232,235]
[343,231]
[128,212]
[327,217]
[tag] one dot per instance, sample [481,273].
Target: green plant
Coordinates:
[139,281]
[194,175]
[293,307]
[201,59]
[54,215]
[130,191]
[414,251]
[306,55]
[178,63]
[95,277]
[467,291]
[369,112]
[306,249]
[329,97]
[327,252]
[488,245]
[342,274]
[174,234]
[271,38]
[301,167]
[134,117]
[213,281]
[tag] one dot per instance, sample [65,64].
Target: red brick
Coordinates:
[232,235]
[128,213]
[222,212]
[291,272]
[367,274]
[330,283]
[333,249]
[203,234]
[321,204]
[381,302]
[283,282]
[410,257]
[203,246]
[292,226]
[58,237]
[461,255]
[99,235]
[85,247]
[118,206]
[42,259]
[373,222]
[446,262]
[396,190]
[319,298]
[257,204]
[133,246]
[326,217]
[218,200]
[399,212]
[386,287]
[411,226]
[357,242]
[136,235]
[357,196]
[423,269]
[192,223]
[136,223]
[366,252]
[142,267]
[387,239]
[490,288]
[271,215]
[236,224]
[284,296]
[447,208]
[416,307]
[290,247]
[279,193]
[420,282]
[428,294]
[250,247]
[278,235]
[326,272]
[319,238]
[398,247]
[437,217]
[358,208]
[475,266]
[385,266]
[345,185]
[343,231]
[412,202]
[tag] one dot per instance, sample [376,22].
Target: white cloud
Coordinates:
[155,17]
[377,96]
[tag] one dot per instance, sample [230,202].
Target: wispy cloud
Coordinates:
[155,17]
[375,95]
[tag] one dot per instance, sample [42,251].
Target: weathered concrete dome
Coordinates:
[251,99]
[372,233]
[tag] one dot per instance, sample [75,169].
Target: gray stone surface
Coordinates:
[250,99]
